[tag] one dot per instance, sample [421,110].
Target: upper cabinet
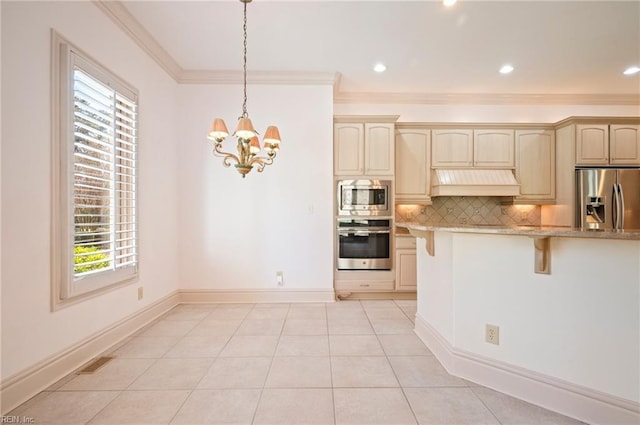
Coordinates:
[413,148]
[536,166]
[607,144]
[363,149]
[473,148]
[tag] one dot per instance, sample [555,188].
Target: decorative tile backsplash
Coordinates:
[470,210]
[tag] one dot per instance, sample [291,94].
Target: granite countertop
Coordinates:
[533,231]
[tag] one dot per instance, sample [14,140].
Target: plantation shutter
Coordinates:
[104,178]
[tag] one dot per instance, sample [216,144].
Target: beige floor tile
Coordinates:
[172,374]
[230,312]
[271,305]
[444,406]
[208,327]
[403,345]
[170,328]
[118,374]
[141,408]
[212,407]
[196,307]
[410,312]
[305,327]
[423,371]
[378,313]
[511,411]
[268,313]
[300,372]
[66,408]
[367,304]
[198,346]
[349,327]
[146,347]
[355,345]
[362,371]
[301,406]
[303,345]
[260,327]
[240,372]
[372,406]
[250,346]
[406,303]
[316,312]
[392,326]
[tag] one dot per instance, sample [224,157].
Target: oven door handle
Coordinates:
[362,232]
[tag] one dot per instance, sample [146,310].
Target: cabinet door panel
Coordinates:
[535,164]
[624,145]
[379,150]
[452,148]
[493,148]
[412,159]
[592,144]
[406,270]
[348,148]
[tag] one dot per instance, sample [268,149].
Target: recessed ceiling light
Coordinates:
[506,69]
[448,3]
[379,67]
[631,70]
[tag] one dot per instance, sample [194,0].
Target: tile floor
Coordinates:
[350,362]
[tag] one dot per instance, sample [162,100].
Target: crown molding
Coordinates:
[119,14]
[130,25]
[486,98]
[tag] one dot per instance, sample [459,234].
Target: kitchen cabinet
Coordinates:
[464,148]
[405,263]
[535,166]
[412,152]
[607,144]
[363,149]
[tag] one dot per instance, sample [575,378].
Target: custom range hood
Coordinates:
[474,182]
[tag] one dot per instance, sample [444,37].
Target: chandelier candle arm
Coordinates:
[248,143]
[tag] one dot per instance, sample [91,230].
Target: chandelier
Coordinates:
[248,144]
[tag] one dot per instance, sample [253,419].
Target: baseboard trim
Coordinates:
[546,391]
[20,387]
[193,296]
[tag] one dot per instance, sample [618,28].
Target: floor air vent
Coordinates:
[95,365]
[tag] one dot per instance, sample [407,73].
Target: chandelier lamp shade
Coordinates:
[248,143]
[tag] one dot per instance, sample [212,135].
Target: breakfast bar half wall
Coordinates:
[568,340]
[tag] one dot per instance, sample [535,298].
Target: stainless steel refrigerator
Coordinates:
[608,198]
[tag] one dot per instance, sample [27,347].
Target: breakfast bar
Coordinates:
[564,305]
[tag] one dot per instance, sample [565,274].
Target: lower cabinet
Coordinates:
[406,274]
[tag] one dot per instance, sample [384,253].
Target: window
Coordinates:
[95,234]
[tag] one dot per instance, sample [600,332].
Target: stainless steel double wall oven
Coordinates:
[364,224]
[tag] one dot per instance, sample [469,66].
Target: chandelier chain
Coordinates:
[244,27]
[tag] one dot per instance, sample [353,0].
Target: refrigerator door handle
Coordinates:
[620,207]
[614,206]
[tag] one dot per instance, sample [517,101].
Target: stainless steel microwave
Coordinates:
[364,197]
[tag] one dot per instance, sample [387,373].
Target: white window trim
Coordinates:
[64,288]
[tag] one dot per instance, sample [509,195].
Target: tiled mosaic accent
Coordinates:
[484,210]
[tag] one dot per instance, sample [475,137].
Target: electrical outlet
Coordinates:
[280,278]
[140,292]
[492,334]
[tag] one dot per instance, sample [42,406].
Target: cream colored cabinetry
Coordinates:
[406,272]
[607,145]
[624,145]
[363,149]
[413,148]
[536,166]
[493,148]
[464,148]
[452,148]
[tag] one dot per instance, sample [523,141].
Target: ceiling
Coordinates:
[570,47]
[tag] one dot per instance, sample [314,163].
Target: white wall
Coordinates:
[237,233]
[30,331]
[580,324]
